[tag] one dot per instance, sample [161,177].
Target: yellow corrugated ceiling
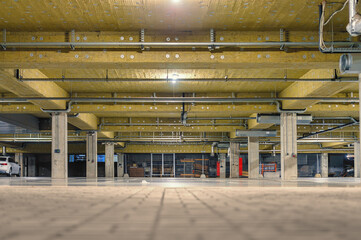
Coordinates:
[117,15]
[199,86]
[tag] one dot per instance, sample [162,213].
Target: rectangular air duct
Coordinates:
[258,133]
[276,119]
[223,145]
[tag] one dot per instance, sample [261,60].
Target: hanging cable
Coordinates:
[322,21]
[333,14]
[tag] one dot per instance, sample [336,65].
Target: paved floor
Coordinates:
[39,208]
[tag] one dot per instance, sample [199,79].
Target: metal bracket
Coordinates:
[283,38]
[72,39]
[335,76]
[212,35]
[3,44]
[18,74]
[282,35]
[141,38]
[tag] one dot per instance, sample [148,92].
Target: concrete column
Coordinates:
[20,160]
[222,164]
[91,155]
[324,165]
[359,145]
[31,167]
[357,162]
[59,145]
[121,165]
[109,160]
[288,146]
[234,160]
[253,157]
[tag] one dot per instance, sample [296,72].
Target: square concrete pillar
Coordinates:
[31,169]
[121,164]
[92,155]
[357,162]
[359,150]
[253,157]
[59,145]
[109,159]
[288,146]
[324,165]
[234,160]
[20,160]
[222,165]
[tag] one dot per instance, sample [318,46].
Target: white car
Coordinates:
[9,166]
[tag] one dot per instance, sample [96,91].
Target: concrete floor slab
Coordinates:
[40,208]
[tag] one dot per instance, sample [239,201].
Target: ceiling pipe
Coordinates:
[334,118]
[323,45]
[72,45]
[221,118]
[187,80]
[205,124]
[170,124]
[281,110]
[330,130]
[307,150]
[176,100]
[51,111]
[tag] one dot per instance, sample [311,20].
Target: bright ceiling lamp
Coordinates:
[174,78]
[176,1]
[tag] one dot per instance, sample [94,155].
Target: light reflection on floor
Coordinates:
[160,208]
[183,182]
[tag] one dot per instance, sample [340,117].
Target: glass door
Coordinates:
[162,165]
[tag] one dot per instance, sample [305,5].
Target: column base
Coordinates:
[203,176]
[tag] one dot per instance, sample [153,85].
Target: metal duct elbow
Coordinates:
[354,25]
[213,145]
[350,63]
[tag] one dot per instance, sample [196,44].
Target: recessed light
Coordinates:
[174,78]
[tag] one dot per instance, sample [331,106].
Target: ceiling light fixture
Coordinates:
[174,78]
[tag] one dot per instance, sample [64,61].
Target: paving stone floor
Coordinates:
[39,208]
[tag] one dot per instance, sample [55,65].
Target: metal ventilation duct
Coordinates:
[276,119]
[350,63]
[354,25]
[223,145]
[260,133]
